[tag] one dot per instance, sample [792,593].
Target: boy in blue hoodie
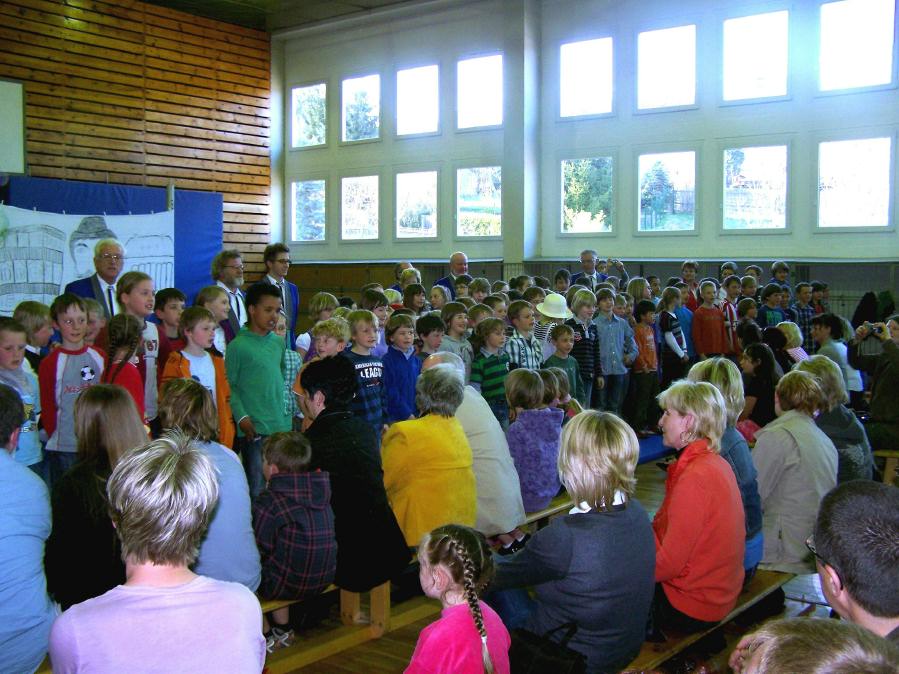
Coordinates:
[401,368]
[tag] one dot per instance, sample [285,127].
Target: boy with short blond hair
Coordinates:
[35,319]
[709,329]
[478,313]
[63,374]
[96,320]
[401,368]
[215,299]
[370,403]
[13,342]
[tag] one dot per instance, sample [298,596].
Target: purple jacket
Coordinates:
[534,445]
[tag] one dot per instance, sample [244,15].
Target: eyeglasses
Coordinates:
[112,256]
[238,267]
[287,261]
[810,544]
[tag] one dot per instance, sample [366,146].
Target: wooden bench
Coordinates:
[652,655]
[560,505]
[891,463]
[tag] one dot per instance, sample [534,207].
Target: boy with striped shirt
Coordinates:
[491,367]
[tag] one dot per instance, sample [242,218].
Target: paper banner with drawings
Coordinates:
[41,252]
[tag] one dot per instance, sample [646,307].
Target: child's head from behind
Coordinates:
[478,313]
[124,336]
[35,318]
[400,331]
[107,424]
[551,394]
[563,383]
[331,336]
[430,329]
[134,293]
[524,389]
[188,405]
[169,305]
[13,339]
[455,316]
[671,298]
[197,325]
[70,318]
[457,559]
[214,298]
[286,452]
[322,305]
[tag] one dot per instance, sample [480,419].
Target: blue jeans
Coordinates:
[500,409]
[251,456]
[611,396]
[514,606]
[58,463]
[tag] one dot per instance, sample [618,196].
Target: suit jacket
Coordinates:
[291,307]
[600,277]
[448,283]
[231,325]
[89,288]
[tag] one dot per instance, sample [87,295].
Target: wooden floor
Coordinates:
[391,653]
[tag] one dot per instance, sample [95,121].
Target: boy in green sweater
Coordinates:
[254,366]
[562,337]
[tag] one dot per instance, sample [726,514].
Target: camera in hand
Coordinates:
[874,329]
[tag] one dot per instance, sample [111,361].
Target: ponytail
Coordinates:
[469,575]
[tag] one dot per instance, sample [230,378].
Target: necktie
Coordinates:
[236,299]
[110,298]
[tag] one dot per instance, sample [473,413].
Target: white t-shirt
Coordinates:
[202,370]
[218,340]
[151,356]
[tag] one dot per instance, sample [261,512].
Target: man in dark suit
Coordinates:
[458,265]
[591,276]
[277,263]
[109,259]
[227,272]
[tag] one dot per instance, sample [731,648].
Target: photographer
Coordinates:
[883,427]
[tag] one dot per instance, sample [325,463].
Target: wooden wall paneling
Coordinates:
[137,94]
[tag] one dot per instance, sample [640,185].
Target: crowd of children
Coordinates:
[538,353]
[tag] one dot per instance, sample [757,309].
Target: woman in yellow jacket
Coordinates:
[198,327]
[427,461]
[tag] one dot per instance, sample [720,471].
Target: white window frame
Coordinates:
[361,173]
[288,131]
[615,87]
[340,120]
[468,57]
[441,225]
[288,206]
[698,90]
[664,148]
[440,94]
[791,45]
[588,153]
[470,164]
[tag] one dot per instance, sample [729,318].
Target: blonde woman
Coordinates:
[594,566]
[793,346]
[797,466]
[700,527]
[839,423]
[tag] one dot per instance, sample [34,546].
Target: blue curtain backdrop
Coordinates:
[198,216]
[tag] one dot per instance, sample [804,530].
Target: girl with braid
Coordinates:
[124,340]
[469,638]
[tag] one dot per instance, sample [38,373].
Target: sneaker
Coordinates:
[283,638]
[270,643]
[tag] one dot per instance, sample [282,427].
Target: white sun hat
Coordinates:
[554,307]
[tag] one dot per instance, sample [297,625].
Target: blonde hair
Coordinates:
[524,389]
[704,403]
[829,377]
[800,391]
[107,424]
[410,275]
[582,298]
[187,405]
[821,646]
[322,302]
[562,380]
[33,316]
[597,457]
[724,376]
[358,316]
[792,333]
[550,386]
[208,294]
[669,296]
[127,283]
[336,328]
[161,498]
[480,285]
[637,288]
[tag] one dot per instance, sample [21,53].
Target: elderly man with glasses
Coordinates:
[109,259]
[227,272]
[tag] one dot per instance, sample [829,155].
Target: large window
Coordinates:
[586,79]
[416,205]
[587,195]
[479,203]
[359,208]
[755,56]
[854,183]
[417,100]
[667,191]
[361,113]
[666,68]
[755,187]
[309,119]
[856,44]
[308,210]
[480,91]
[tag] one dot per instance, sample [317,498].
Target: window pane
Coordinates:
[416,204]
[417,100]
[856,44]
[667,191]
[587,195]
[854,183]
[755,56]
[480,91]
[479,205]
[309,115]
[586,77]
[359,207]
[308,210]
[755,187]
[361,107]
[666,67]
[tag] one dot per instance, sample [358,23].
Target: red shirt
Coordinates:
[700,535]
[709,334]
[647,360]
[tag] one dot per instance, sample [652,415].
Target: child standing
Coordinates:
[562,338]
[479,289]
[491,367]
[552,311]
[438,298]
[455,316]
[414,298]
[168,308]
[12,373]
[570,406]
[96,320]
[370,403]
[401,368]
[674,347]
[292,363]
[294,528]
[617,351]
[586,342]
[709,331]
[770,313]
[64,373]
[748,331]
[215,299]
[523,348]
[123,333]
[689,269]
[731,288]
[197,361]
[321,308]
[685,316]
[254,366]
[534,436]
[35,318]
[430,329]
[376,301]
[646,375]
[455,566]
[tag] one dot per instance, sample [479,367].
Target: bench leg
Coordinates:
[380,609]
[350,607]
